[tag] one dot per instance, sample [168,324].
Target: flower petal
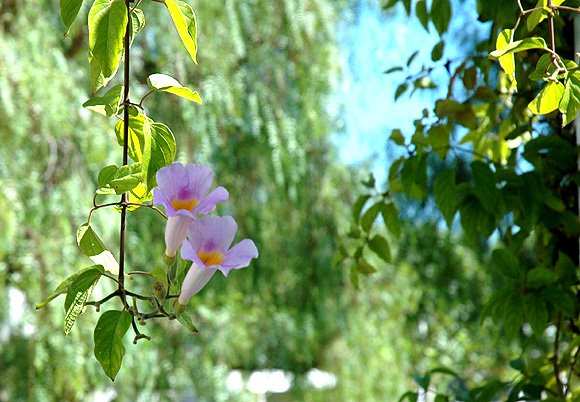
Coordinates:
[170,179]
[209,202]
[188,252]
[198,183]
[160,199]
[194,281]
[239,256]
[211,233]
[175,233]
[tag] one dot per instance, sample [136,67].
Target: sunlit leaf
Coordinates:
[518,46]
[120,180]
[69,10]
[159,152]
[570,103]
[139,128]
[548,99]
[92,246]
[107,25]
[108,104]
[184,19]
[166,83]
[63,287]
[108,336]
[78,293]
[137,24]
[185,320]
[507,61]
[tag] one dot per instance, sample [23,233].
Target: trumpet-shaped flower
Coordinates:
[207,245]
[183,192]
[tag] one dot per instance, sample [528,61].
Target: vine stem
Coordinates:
[126,102]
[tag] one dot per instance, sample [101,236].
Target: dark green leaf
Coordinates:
[159,152]
[407,4]
[412,57]
[444,191]
[185,320]
[441,15]
[506,263]
[422,15]
[401,90]
[397,137]
[438,137]
[536,313]
[393,70]
[78,293]
[107,25]
[411,396]
[92,246]
[485,189]
[437,51]
[380,246]
[63,287]
[69,10]
[444,370]
[423,381]
[562,299]
[162,82]
[184,19]
[370,182]
[470,77]
[108,336]
[358,206]
[370,215]
[539,277]
[513,315]
[391,217]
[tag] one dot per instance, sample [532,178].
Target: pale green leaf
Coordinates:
[120,180]
[364,267]
[108,337]
[107,105]
[166,83]
[358,206]
[69,10]
[137,24]
[570,103]
[107,26]
[98,80]
[519,46]
[369,216]
[380,246]
[548,99]
[159,152]
[185,320]
[160,274]
[92,246]
[184,19]
[507,61]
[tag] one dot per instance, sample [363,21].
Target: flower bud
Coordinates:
[178,307]
[168,260]
[159,290]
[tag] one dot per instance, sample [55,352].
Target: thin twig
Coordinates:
[555,359]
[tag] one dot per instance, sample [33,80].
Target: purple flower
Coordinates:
[207,245]
[182,191]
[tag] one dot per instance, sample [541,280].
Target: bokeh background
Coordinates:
[296,113]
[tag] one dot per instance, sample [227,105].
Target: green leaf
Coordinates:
[506,263]
[97,78]
[444,370]
[162,82]
[369,216]
[393,70]
[108,336]
[364,267]
[438,137]
[513,315]
[107,105]
[538,277]
[470,78]
[548,99]
[380,246]
[159,152]
[113,180]
[507,62]
[358,206]
[139,128]
[185,320]
[519,46]
[411,396]
[537,16]
[107,25]
[397,137]
[63,287]
[444,191]
[570,103]
[423,381]
[536,313]
[184,19]
[401,90]
[422,15]
[562,299]
[391,217]
[182,268]
[437,51]
[484,187]
[78,293]
[441,15]
[412,57]
[160,274]
[137,24]
[69,10]
[92,246]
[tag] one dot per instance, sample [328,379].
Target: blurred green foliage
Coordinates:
[266,72]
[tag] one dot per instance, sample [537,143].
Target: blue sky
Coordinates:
[373,41]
